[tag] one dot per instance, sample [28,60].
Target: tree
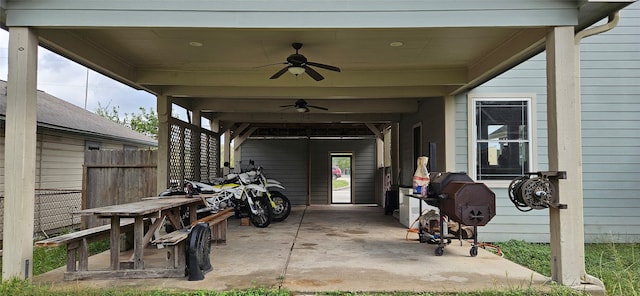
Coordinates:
[145,122]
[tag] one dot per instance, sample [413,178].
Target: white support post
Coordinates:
[565,154]
[197,142]
[227,151]
[20,154]
[164,140]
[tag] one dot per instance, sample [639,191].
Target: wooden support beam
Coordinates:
[237,141]
[565,154]
[20,154]
[375,131]
[163,105]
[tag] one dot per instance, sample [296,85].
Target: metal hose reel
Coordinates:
[534,192]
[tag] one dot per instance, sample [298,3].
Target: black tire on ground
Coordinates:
[198,251]
[283,206]
[265,212]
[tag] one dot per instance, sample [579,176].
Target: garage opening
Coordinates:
[341,172]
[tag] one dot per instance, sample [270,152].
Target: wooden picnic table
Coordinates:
[157,208]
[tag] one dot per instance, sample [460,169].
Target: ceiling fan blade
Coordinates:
[267,65]
[323,66]
[315,75]
[285,106]
[279,73]
[318,107]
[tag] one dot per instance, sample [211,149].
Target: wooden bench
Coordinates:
[175,242]
[78,243]
[218,224]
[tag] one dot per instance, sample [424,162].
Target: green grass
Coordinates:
[337,184]
[617,265]
[46,259]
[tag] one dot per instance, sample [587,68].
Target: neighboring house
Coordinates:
[64,133]
[610,80]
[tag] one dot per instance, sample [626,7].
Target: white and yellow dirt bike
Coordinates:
[247,199]
[239,191]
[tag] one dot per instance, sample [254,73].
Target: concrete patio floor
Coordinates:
[330,248]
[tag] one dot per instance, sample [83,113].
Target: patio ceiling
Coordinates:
[225,71]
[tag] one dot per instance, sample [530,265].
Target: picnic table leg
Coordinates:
[83,254]
[138,243]
[193,214]
[115,242]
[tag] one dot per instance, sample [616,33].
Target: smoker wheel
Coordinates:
[474,251]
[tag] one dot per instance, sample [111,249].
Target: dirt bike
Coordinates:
[238,192]
[280,203]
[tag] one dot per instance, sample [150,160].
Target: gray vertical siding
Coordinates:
[610,88]
[286,161]
[430,115]
[282,160]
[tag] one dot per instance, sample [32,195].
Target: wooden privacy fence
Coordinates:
[113,177]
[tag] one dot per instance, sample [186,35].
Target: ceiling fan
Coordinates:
[298,64]
[302,106]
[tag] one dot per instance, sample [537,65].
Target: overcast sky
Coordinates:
[67,80]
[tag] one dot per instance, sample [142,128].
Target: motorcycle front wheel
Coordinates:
[282,208]
[264,212]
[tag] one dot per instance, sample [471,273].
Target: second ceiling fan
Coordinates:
[298,64]
[302,106]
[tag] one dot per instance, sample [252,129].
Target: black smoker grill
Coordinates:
[463,201]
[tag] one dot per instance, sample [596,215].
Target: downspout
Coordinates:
[614,18]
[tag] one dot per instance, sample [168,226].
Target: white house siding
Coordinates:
[59,162]
[59,166]
[610,79]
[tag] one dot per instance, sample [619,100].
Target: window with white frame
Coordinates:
[501,136]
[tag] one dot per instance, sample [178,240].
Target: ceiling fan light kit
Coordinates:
[295,70]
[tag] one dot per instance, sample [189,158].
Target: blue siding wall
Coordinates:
[610,86]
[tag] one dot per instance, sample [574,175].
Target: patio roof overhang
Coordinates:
[217,57]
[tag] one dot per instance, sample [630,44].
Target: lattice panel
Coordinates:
[176,168]
[193,153]
[190,156]
[208,156]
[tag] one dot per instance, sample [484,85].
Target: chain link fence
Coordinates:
[53,211]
